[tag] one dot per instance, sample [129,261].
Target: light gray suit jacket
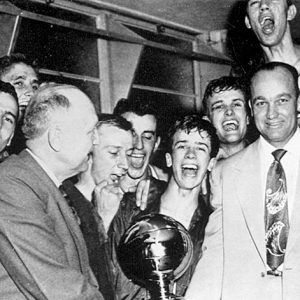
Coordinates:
[42,251]
[233,265]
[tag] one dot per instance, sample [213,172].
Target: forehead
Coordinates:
[272,82]
[194,136]
[141,123]
[226,96]
[19,69]
[110,135]
[8,103]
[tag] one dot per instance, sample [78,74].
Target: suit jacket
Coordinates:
[96,239]
[42,252]
[233,265]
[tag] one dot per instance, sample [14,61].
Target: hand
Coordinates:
[107,198]
[141,193]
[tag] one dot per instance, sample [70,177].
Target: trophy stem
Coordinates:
[161,289]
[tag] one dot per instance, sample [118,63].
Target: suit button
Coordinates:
[262,274]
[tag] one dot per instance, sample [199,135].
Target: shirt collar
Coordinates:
[45,168]
[292,146]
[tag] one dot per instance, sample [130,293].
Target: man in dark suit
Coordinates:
[244,257]
[42,252]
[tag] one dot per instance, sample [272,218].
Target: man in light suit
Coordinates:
[234,263]
[42,252]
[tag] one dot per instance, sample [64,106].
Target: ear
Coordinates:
[291,13]
[211,164]
[156,143]
[247,22]
[247,120]
[168,160]
[55,138]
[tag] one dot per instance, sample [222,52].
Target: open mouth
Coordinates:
[189,169]
[230,125]
[116,178]
[136,159]
[267,24]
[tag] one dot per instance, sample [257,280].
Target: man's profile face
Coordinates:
[227,112]
[274,105]
[190,157]
[8,115]
[77,131]
[144,143]
[268,19]
[110,154]
[25,81]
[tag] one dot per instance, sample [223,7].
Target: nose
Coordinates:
[123,162]
[29,90]
[190,153]
[229,111]
[138,142]
[272,111]
[264,5]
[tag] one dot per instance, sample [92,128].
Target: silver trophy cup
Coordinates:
[155,251]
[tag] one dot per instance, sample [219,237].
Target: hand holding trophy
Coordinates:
[155,251]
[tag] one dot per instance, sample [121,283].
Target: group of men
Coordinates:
[58,239]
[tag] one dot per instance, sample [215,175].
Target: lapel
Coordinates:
[248,186]
[294,233]
[47,186]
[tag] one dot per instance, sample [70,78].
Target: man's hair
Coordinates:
[41,106]
[7,61]
[271,66]
[114,120]
[187,124]
[140,105]
[226,83]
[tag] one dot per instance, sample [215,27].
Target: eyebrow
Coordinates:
[149,131]
[277,96]
[11,114]
[197,143]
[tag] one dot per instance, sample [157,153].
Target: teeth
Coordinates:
[137,155]
[264,20]
[194,167]
[229,122]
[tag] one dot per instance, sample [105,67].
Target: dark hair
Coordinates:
[226,83]
[188,123]
[7,61]
[140,105]
[271,66]
[6,87]
[114,120]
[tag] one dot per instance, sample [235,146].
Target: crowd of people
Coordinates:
[73,181]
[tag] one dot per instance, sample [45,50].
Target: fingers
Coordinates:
[142,193]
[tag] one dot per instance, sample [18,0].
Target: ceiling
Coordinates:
[199,14]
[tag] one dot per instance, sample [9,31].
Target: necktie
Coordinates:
[276,213]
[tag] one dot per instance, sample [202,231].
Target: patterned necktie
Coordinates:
[276,213]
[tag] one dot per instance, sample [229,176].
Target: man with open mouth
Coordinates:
[192,147]
[270,21]
[225,106]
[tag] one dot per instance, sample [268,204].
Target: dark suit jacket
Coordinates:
[42,252]
[96,239]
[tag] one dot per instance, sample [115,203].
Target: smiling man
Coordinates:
[225,105]
[143,114]
[193,145]
[251,245]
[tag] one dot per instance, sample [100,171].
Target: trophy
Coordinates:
[155,251]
